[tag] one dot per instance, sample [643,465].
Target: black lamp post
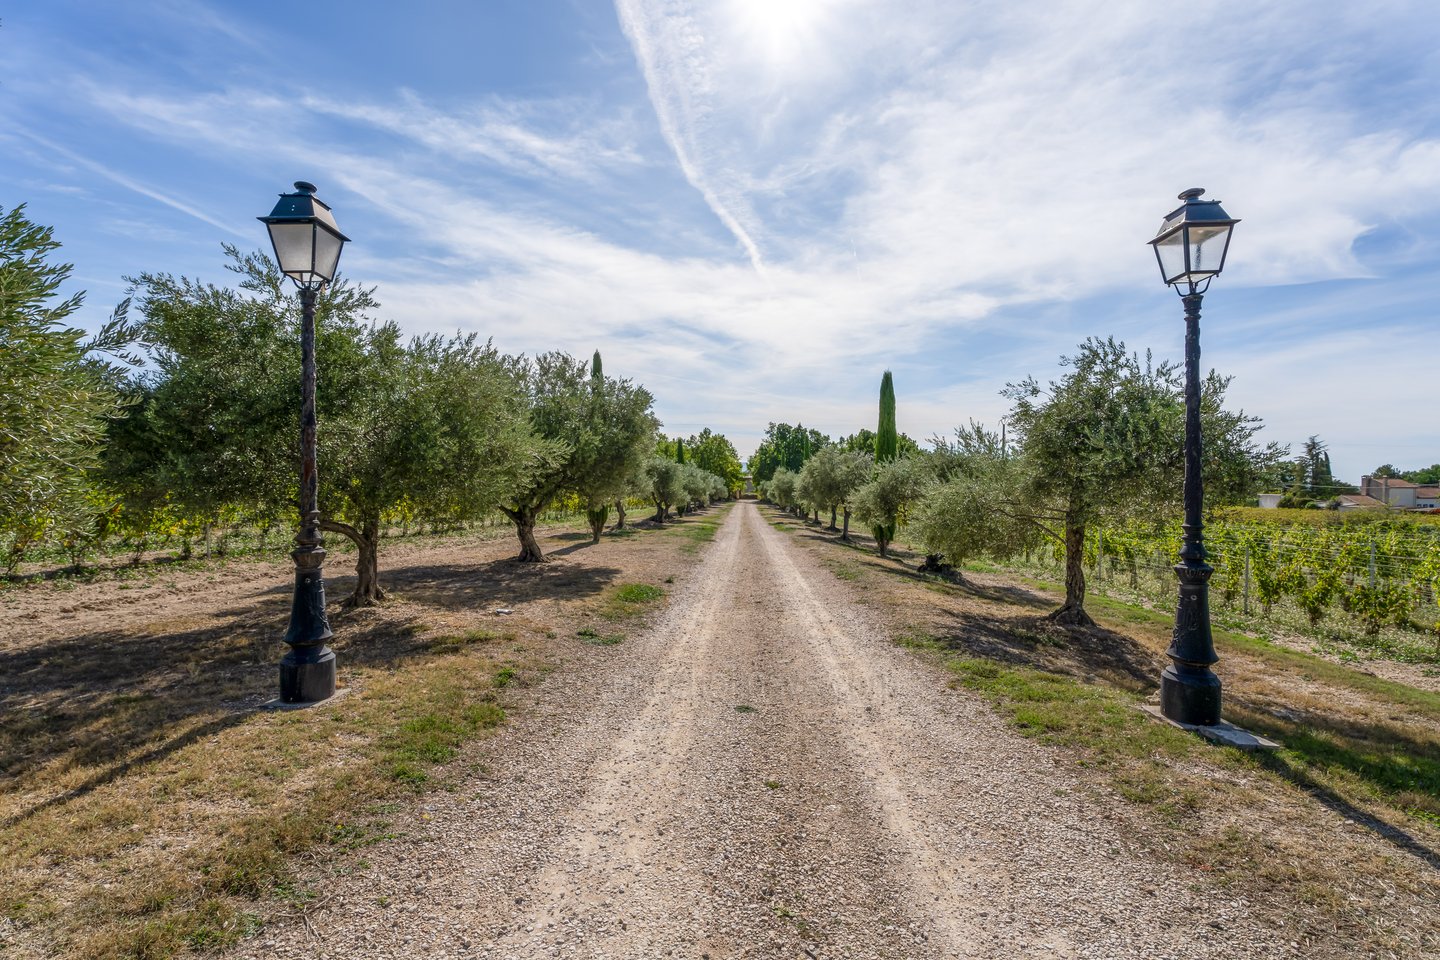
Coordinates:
[1190,249]
[307,247]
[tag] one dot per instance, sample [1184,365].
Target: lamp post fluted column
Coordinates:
[1189,689]
[307,672]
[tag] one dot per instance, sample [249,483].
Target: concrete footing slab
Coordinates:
[278,704]
[1224,733]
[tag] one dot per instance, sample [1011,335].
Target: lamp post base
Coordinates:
[308,678]
[1190,695]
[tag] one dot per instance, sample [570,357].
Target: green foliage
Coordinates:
[712,452]
[434,430]
[784,446]
[831,477]
[593,434]
[619,426]
[665,483]
[54,402]
[1307,480]
[883,502]
[1106,441]
[783,488]
[1381,570]
[970,510]
[1425,476]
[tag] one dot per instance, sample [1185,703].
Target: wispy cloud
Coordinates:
[129,183]
[673,54]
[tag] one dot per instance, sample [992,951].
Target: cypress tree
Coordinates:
[886,439]
[679,449]
[886,447]
[595,372]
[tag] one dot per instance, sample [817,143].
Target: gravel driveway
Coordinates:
[763,774]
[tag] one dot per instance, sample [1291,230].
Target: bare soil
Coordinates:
[764,774]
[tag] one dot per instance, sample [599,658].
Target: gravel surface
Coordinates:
[763,774]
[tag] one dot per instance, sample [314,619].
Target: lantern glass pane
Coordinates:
[327,253]
[294,248]
[1171,252]
[1207,249]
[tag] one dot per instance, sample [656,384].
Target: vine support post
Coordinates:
[1247,579]
[1372,566]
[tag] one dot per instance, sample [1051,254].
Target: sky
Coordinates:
[755,207]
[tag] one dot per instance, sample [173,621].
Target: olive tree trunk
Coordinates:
[366,538]
[524,520]
[596,518]
[1073,612]
[620,514]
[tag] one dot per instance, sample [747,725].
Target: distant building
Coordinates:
[1391,491]
[1270,501]
[1358,501]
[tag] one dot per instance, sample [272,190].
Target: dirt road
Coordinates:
[764,775]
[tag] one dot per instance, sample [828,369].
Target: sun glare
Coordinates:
[779,27]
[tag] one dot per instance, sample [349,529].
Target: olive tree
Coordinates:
[696,483]
[970,510]
[882,503]
[831,476]
[665,486]
[436,428]
[54,400]
[621,429]
[1105,441]
[591,434]
[781,488]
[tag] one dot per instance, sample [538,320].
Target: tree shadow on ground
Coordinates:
[483,586]
[1027,641]
[1381,755]
[96,698]
[899,565]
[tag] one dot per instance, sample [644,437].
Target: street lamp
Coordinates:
[1190,249]
[307,247]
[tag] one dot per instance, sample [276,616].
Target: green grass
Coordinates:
[458,642]
[629,600]
[698,530]
[744,708]
[1100,721]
